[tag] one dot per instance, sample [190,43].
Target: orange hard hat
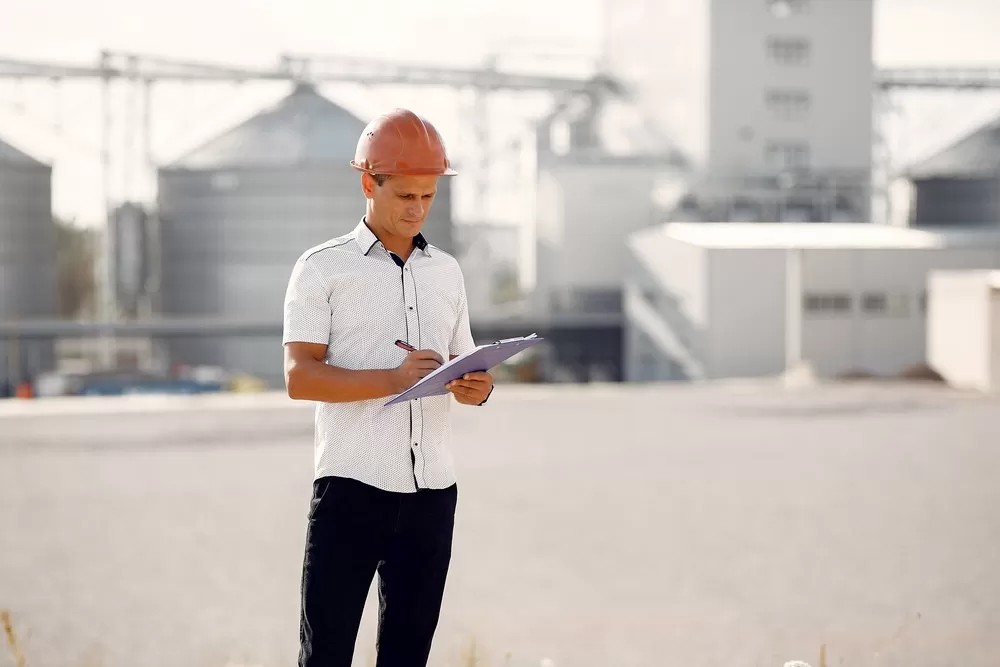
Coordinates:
[402,143]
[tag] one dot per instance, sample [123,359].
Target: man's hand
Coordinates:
[472,388]
[415,367]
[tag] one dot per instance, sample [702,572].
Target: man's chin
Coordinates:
[413,227]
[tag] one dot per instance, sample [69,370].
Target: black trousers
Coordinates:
[354,531]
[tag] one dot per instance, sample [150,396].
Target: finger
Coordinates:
[427,365]
[429,355]
[427,361]
[478,375]
[476,380]
[467,384]
[462,391]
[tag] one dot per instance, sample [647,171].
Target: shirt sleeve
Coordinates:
[307,306]
[461,338]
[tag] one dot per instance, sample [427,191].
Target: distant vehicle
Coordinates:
[138,383]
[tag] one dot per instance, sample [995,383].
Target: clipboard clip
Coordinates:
[511,340]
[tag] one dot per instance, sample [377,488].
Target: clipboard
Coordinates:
[483,358]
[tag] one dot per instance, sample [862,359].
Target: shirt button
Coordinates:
[416,444]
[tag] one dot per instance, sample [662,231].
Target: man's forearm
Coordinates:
[317,381]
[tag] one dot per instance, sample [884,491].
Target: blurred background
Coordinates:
[164,166]
[760,237]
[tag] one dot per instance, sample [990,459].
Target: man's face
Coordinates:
[401,204]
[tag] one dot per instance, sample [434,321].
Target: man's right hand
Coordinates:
[416,366]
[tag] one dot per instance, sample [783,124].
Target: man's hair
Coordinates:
[380,179]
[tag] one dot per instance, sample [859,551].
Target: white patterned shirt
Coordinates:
[352,295]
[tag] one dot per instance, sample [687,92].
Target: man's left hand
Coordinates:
[472,388]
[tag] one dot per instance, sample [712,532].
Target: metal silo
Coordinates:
[237,212]
[960,186]
[27,261]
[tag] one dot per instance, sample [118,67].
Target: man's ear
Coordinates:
[368,185]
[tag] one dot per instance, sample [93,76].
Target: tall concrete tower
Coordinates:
[770,99]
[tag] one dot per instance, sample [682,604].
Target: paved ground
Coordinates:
[597,527]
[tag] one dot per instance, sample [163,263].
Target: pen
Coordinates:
[406,346]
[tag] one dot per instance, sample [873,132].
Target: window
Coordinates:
[788,50]
[786,155]
[880,303]
[788,104]
[826,303]
[782,9]
[875,303]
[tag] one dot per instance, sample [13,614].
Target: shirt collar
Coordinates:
[366,239]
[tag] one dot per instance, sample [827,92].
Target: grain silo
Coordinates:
[27,262]
[960,186]
[236,212]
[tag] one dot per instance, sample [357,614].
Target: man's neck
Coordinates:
[397,245]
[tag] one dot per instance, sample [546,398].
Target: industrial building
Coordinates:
[588,200]
[598,165]
[959,185]
[28,271]
[728,300]
[963,328]
[749,111]
[489,255]
[236,212]
[770,100]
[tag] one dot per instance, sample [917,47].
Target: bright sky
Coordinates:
[908,32]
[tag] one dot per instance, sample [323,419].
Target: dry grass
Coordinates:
[12,642]
[471,657]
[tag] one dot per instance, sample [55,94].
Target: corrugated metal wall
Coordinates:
[957,202]
[237,213]
[27,260]
[228,243]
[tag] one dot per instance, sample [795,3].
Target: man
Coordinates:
[384,490]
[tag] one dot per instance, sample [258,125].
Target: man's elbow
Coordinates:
[296,385]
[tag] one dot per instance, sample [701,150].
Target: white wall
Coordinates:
[727,306]
[830,343]
[585,214]
[548,231]
[681,274]
[836,76]
[702,70]
[747,316]
[666,309]
[891,343]
[748,311]
[882,343]
[958,328]
[841,115]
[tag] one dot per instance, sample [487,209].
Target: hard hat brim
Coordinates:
[433,171]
